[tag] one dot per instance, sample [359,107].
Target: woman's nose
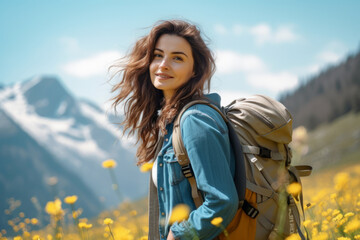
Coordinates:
[164,64]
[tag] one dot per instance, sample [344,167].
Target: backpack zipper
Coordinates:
[263,119]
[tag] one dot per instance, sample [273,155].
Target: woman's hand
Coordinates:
[170,236]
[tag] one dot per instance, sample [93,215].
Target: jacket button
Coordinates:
[163,214]
[160,164]
[161,189]
[166,139]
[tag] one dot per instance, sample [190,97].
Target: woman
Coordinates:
[166,69]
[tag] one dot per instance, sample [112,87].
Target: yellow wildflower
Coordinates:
[333,196]
[21,225]
[315,224]
[293,236]
[108,221]
[294,188]
[27,220]
[338,217]
[36,237]
[133,213]
[17,238]
[71,199]
[49,237]
[352,226]
[322,236]
[324,227]
[306,223]
[21,214]
[335,212]
[179,213]
[82,225]
[26,234]
[144,238]
[34,221]
[343,238]
[110,163]
[357,237]
[217,221]
[53,208]
[341,180]
[146,167]
[349,214]
[87,226]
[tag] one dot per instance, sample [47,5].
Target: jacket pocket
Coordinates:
[174,168]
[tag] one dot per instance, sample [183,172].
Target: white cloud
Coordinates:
[92,66]
[231,62]
[238,29]
[284,34]
[69,44]
[227,96]
[313,69]
[275,82]
[263,33]
[220,29]
[332,53]
[329,57]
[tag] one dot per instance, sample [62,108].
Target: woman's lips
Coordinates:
[163,76]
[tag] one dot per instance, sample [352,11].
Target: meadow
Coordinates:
[331,206]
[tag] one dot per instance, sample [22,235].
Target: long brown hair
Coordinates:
[142,101]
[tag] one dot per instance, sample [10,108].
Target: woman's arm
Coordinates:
[206,140]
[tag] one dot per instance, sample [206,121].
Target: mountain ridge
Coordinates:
[327,96]
[79,138]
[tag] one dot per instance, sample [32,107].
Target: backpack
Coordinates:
[260,129]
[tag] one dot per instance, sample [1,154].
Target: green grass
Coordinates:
[334,144]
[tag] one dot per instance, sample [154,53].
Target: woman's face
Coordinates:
[172,65]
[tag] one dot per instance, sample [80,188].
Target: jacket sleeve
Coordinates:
[206,140]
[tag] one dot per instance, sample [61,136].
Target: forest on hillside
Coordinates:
[327,96]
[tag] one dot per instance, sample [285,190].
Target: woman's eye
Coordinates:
[157,55]
[178,58]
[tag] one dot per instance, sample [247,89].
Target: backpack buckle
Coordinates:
[264,152]
[187,171]
[250,210]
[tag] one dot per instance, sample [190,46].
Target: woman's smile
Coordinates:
[163,76]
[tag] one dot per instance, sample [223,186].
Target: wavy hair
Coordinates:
[142,101]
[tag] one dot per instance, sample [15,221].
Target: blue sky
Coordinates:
[261,46]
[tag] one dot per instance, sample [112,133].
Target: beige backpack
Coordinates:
[260,129]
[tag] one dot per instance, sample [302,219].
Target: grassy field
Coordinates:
[331,196]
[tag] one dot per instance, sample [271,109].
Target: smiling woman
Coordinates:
[167,69]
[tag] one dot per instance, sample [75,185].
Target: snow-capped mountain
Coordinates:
[25,171]
[77,132]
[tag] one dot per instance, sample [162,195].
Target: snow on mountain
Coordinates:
[77,132]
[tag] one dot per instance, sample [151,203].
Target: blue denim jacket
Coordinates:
[206,140]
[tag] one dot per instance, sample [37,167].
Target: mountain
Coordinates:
[323,98]
[77,134]
[25,169]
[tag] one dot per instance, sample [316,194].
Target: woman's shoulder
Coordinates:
[202,115]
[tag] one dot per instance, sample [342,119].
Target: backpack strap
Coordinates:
[262,152]
[184,161]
